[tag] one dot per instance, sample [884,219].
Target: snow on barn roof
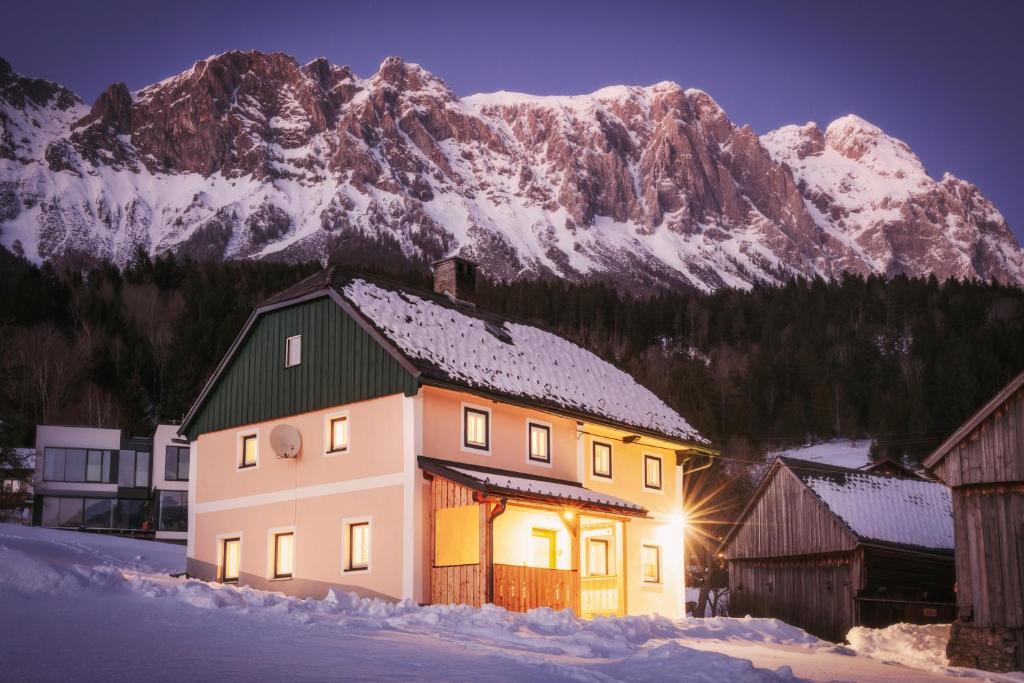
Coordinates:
[460,344]
[523,485]
[881,508]
[839,452]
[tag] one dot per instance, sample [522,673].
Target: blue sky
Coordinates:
[946,77]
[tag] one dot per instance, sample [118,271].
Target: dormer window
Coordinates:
[293,351]
[476,429]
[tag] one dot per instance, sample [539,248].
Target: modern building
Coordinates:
[983,462]
[397,443]
[828,548]
[101,480]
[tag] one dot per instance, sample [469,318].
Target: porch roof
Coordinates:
[519,485]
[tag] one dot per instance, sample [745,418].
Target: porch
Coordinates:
[522,542]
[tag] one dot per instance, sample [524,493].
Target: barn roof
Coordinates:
[876,508]
[450,342]
[959,435]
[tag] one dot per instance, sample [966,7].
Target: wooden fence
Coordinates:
[520,588]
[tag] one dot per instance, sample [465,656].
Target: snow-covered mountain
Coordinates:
[252,155]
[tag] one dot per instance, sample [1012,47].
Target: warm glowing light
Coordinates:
[567,514]
[678,519]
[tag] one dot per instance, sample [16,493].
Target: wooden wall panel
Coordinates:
[993,452]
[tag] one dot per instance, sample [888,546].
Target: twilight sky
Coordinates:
[945,77]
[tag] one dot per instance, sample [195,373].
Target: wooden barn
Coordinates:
[983,463]
[827,548]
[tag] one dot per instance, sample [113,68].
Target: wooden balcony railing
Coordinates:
[519,588]
[601,595]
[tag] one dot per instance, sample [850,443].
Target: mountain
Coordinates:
[252,155]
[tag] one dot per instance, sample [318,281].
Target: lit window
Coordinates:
[602,460]
[543,548]
[339,435]
[249,451]
[232,558]
[540,443]
[293,351]
[597,556]
[652,472]
[650,563]
[476,429]
[284,555]
[358,546]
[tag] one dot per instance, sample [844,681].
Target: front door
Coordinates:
[601,565]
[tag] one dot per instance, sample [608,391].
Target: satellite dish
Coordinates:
[286,441]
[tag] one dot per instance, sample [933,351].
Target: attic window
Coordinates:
[499,332]
[293,351]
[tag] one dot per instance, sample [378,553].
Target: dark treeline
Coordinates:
[900,360]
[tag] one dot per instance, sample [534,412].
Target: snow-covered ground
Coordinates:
[88,608]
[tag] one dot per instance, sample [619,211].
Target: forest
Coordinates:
[903,361]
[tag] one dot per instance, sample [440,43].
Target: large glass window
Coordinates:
[602,462]
[540,442]
[51,511]
[53,464]
[358,546]
[99,513]
[476,429]
[231,560]
[176,463]
[74,465]
[173,511]
[77,465]
[284,555]
[133,469]
[71,512]
[129,514]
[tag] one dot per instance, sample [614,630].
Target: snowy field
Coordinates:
[82,607]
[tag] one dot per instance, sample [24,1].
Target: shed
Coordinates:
[983,463]
[827,548]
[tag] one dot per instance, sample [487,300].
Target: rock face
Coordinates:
[252,155]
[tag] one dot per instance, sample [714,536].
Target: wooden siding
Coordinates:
[465,584]
[989,537]
[786,520]
[992,452]
[816,594]
[519,588]
[341,364]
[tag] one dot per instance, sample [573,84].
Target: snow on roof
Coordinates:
[876,507]
[568,491]
[480,350]
[838,452]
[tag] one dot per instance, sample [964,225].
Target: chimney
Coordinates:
[455,277]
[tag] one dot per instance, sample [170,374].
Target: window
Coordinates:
[99,513]
[176,463]
[338,435]
[284,555]
[77,465]
[543,548]
[51,511]
[173,511]
[231,560]
[652,472]
[53,464]
[602,465]
[12,486]
[293,351]
[133,469]
[250,450]
[597,556]
[476,429]
[358,547]
[129,514]
[71,512]
[540,442]
[650,563]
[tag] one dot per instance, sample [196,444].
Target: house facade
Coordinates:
[983,463]
[102,480]
[828,548]
[366,437]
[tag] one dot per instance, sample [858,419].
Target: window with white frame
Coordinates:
[250,450]
[231,559]
[476,429]
[652,472]
[337,434]
[358,546]
[293,351]
[650,563]
[284,554]
[601,465]
[539,438]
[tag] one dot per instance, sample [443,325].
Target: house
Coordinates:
[368,437]
[102,480]
[17,467]
[827,548]
[983,463]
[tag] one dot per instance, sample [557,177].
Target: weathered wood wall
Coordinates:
[788,520]
[989,535]
[519,588]
[992,453]
[461,584]
[815,594]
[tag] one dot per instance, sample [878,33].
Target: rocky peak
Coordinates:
[113,109]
